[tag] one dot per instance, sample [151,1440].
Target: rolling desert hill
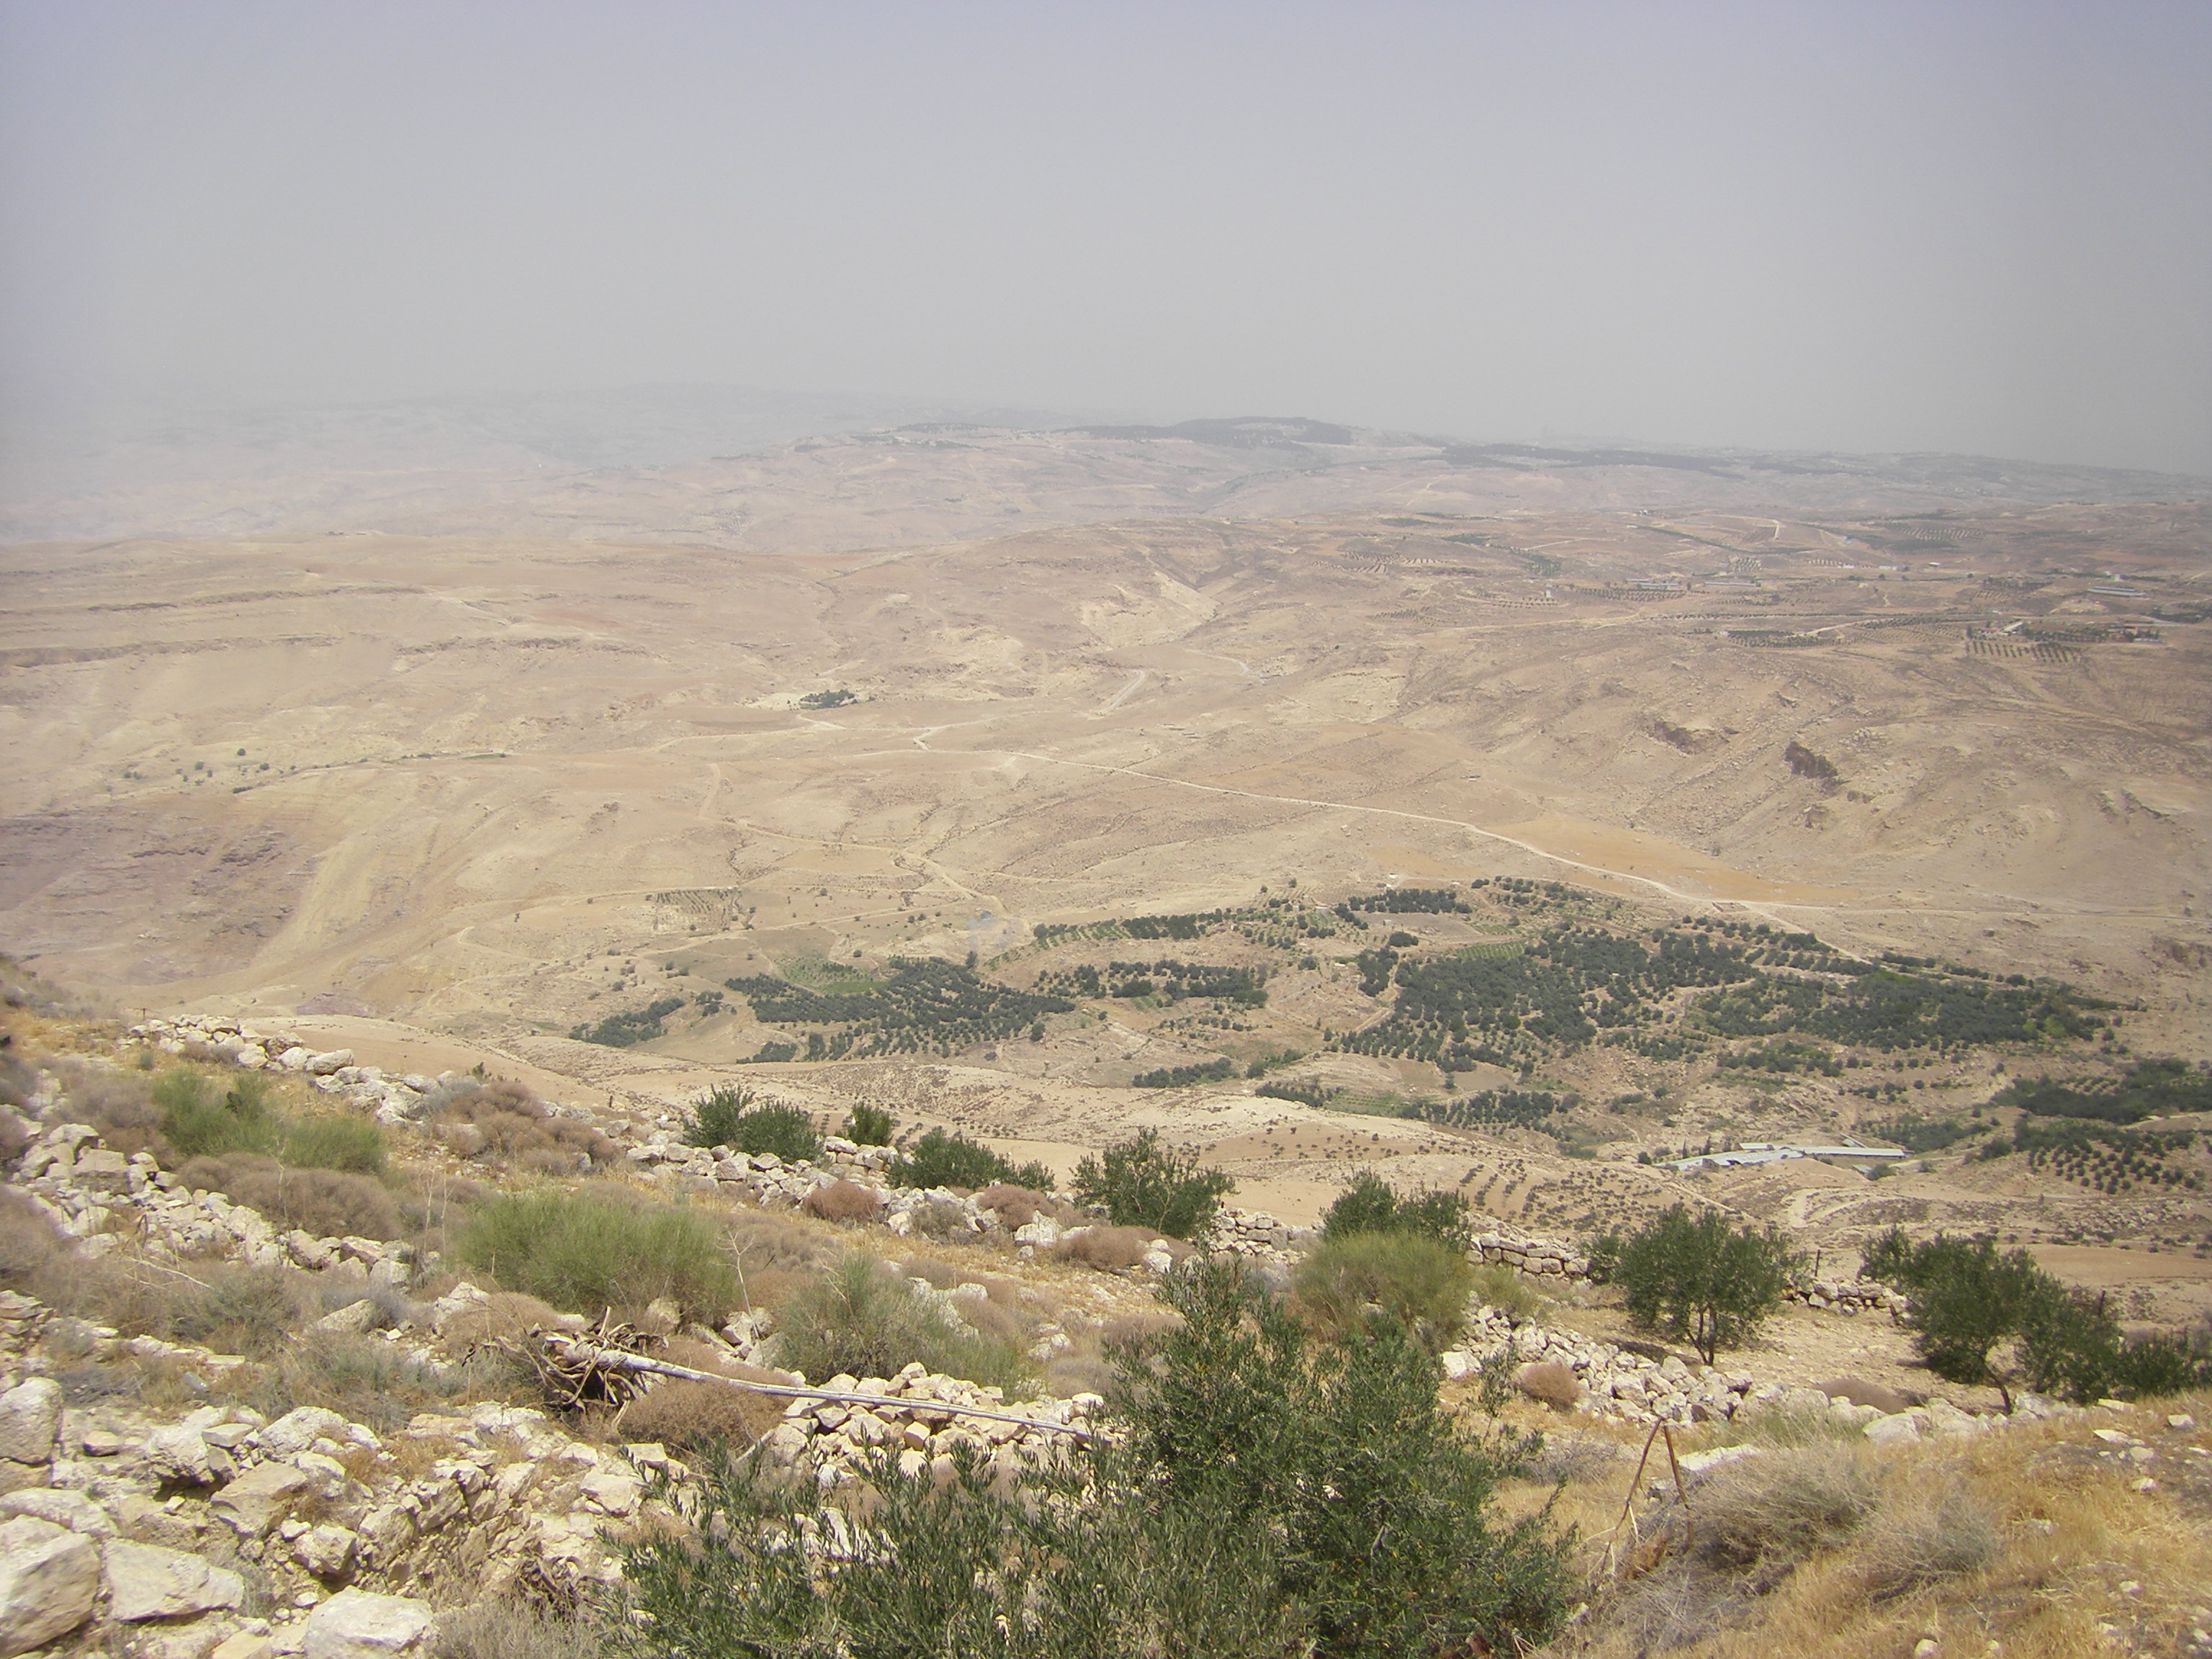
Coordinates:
[479,757]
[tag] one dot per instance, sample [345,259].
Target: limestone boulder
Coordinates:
[49,1579]
[30,1420]
[145,1581]
[356,1625]
[260,1498]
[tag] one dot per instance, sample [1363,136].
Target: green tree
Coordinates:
[1701,1280]
[1369,1205]
[1266,1496]
[868,1126]
[728,1117]
[1144,1183]
[1980,1315]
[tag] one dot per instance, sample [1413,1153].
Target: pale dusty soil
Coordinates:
[516,781]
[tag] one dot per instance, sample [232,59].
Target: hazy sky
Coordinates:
[1858,225]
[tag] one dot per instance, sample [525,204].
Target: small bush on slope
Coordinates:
[1419,1281]
[587,1253]
[1144,1182]
[728,1117]
[865,1320]
[1272,1496]
[939,1159]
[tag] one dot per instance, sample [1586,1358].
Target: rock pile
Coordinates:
[118,1518]
[1530,1254]
[100,1197]
[834,1437]
[1848,1295]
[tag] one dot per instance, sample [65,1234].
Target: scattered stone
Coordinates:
[30,1421]
[49,1579]
[145,1581]
[259,1498]
[1889,1430]
[354,1319]
[72,1510]
[355,1624]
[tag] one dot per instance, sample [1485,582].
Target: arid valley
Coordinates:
[425,784]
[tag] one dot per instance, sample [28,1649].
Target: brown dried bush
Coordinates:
[16,1136]
[118,1104]
[508,1316]
[764,1240]
[842,1201]
[325,1202]
[676,1412]
[1550,1382]
[1780,1506]
[506,1629]
[1109,1249]
[29,1242]
[1015,1207]
[505,1120]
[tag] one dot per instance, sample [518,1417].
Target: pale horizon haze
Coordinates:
[1967,228]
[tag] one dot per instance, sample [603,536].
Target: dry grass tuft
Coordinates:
[325,1202]
[1551,1383]
[1778,1508]
[505,1122]
[504,1630]
[1109,1249]
[842,1201]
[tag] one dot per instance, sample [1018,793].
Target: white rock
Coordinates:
[147,1581]
[180,1452]
[30,1420]
[1888,1431]
[1697,1463]
[325,1550]
[260,1497]
[1457,1363]
[355,1624]
[294,1058]
[322,1065]
[1043,1232]
[354,1319]
[49,1578]
[297,1431]
[61,1508]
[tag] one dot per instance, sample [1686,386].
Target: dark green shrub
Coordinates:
[868,1126]
[1369,1206]
[865,1320]
[728,1117]
[2167,1363]
[197,1122]
[1270,1497]
[1144,1182]
[1420,1281]
[1983,1315]
[942,1159]
[587,1253]
[1702,1280]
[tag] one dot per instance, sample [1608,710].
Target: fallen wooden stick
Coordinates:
[591,1353]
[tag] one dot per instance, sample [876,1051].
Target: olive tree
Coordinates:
[1700,1278]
